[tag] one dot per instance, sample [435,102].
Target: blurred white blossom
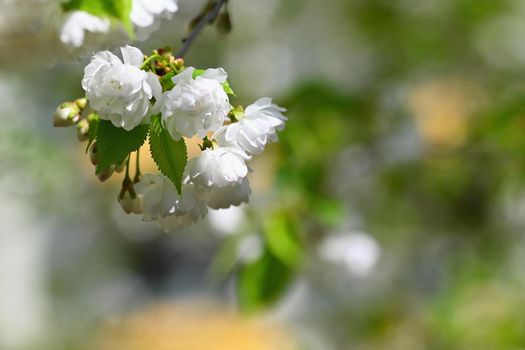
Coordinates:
[145,15]
[250,248]
[357,252]
[78,22]
[226,221]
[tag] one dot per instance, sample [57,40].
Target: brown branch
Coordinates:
[208,19]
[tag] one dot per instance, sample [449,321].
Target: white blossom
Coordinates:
[257,127]
[194,106]
[145,14]
[226,221]
[225,197]
[120,91]
[162,203]
[221,167]
[77,23]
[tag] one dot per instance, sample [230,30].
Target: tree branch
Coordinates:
[209,18]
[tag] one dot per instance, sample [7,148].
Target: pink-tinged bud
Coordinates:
[178,63]
[66,114]
[93,153]
[106,173]
[82,130]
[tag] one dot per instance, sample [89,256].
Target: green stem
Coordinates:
[210,16]
[137,168]
[150,59]
[127,168]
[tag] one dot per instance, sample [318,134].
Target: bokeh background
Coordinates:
[390,215]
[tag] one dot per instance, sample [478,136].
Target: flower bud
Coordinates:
[66,114]
[120,167]
[82,130]
[128,201]
[178,63]
[81,102]
[224,24]
[106,173]
[93,153]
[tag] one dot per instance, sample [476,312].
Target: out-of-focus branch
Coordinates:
[209,18]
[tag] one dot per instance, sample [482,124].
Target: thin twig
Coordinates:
[209,18]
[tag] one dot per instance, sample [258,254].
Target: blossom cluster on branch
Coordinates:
[136,98]
[142,19]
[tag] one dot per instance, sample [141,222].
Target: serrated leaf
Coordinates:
[170,155]
[281,239]
[262,282]
[92,131]
[115,144]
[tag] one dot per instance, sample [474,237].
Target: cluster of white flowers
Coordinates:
[196,104]
[144,16]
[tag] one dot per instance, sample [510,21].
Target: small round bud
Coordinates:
[81,102]
[106,173]
[179,63]
[82,130]
[128,200]
[66,114]
[93,153]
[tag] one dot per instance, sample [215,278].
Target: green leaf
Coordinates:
[170,155]
[227,88]
[282,240]
[93,129]
[166,82]
[115,9]
[198,72]
[262,282]
[115,144]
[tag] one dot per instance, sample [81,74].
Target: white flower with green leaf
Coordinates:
[254,128]
[120,91]
[155,99]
